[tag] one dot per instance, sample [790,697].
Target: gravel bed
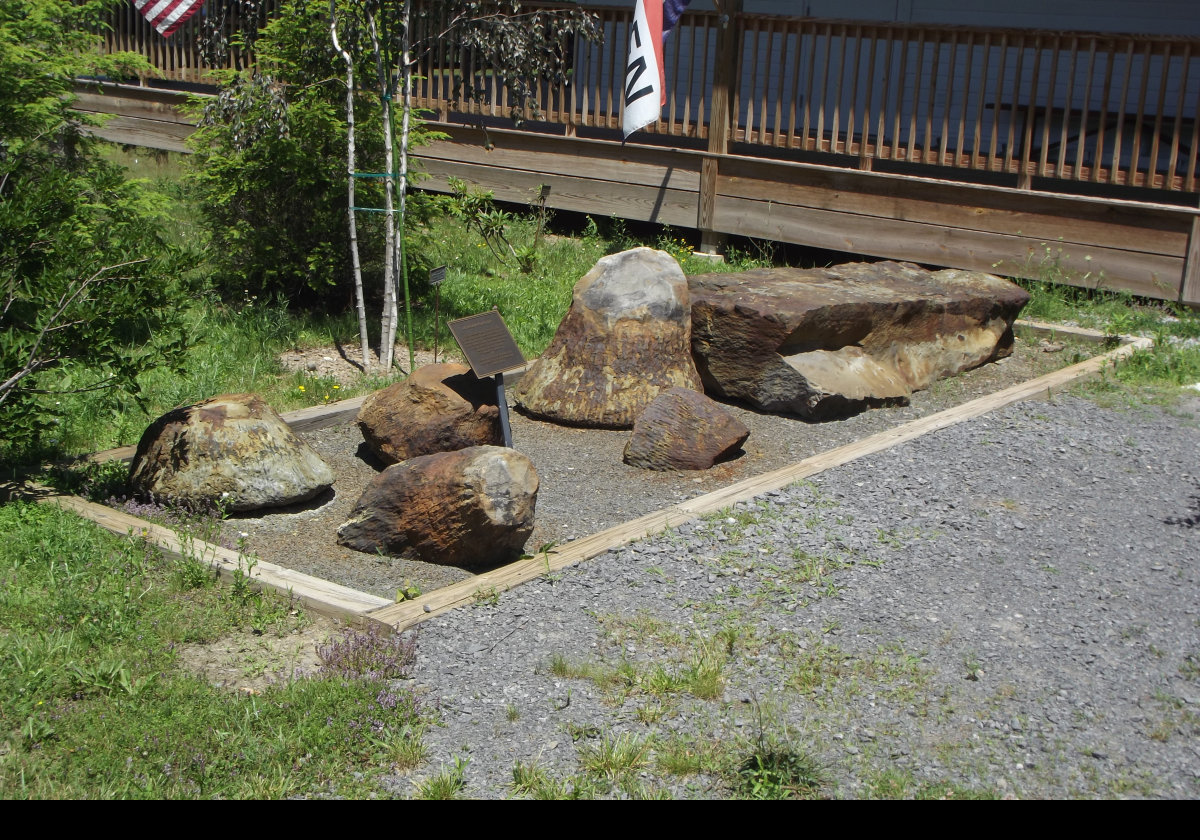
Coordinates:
[584,485]
[1008,606]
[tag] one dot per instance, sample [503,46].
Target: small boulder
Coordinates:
[683,430]
[625,339]
[233,450]
[472,507]
[439,408]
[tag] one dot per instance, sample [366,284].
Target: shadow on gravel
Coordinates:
[1193,518]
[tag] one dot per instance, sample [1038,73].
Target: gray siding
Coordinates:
[1143,17]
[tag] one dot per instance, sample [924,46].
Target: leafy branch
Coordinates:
[37,361]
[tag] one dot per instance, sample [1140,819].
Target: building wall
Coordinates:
[1141,17]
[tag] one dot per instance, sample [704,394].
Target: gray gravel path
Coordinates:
[1007,607]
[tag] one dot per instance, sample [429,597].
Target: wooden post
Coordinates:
[729,39]
[1189,292]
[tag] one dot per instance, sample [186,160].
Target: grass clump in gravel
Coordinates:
[778,772]
[695,665]
[447,783]
[532,781]
[615,758]
[825,671]
[898,783]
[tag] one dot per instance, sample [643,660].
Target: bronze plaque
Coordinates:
[487,343]
[437,275]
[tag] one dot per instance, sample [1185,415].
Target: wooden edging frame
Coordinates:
[362,608]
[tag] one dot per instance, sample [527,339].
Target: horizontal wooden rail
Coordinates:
[1146,248]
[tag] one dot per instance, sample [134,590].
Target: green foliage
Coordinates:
[771,773]
[447,783]
[270,166]
[269,169]
[775,768]
[85,274]
[478,211]
[615,757]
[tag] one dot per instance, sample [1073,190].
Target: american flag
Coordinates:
[167,15]
[645,76]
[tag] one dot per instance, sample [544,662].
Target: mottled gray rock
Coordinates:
[830,341]
[232,449]
[625,339]
[439,408]
[683,430]
[470,507]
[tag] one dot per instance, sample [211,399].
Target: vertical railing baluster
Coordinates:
[1177,126]
[808,98]
[1085,116]
[1049,108]
[796,59]
[943,145]
[866,150]
[1152,167]
[1135,153]
[1114,173]
[884,149]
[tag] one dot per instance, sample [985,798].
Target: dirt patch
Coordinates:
[343,363]
[248,661]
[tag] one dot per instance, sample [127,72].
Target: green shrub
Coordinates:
[269,170]
[85,275]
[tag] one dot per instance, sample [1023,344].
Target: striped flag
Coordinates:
[167,15]
[645,77]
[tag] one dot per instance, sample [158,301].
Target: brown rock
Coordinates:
[232,450]
[440,408]
[626,338]
[471,507]
[824,342]
[683,430]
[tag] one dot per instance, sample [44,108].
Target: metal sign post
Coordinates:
[436,276]
[490,350]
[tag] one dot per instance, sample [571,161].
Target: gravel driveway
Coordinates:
[1006,607]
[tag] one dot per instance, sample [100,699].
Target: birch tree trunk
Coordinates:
[387,340]
[351,165]
[405,119]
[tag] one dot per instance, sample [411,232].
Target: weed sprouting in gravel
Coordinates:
[536,782]
[369,654]
[683,755]
[447,783]
[775,767]
[615,758]
[778,774]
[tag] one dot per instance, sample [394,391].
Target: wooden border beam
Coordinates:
[319,595]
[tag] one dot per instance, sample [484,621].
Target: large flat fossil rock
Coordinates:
[826,342]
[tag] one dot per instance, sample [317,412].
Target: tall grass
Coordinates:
[1152,375]
[95,704]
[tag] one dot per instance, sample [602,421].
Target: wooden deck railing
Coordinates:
[1105,109]
[1084,107]
[175,59]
